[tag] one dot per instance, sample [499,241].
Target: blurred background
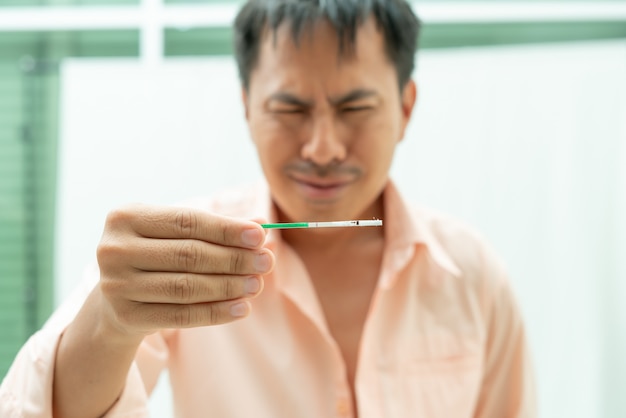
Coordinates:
[520,130]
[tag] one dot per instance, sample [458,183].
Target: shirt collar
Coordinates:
[408,227]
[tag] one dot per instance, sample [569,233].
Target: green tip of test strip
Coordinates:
[286,225]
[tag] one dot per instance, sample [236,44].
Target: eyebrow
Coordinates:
[290,99]
[351,96]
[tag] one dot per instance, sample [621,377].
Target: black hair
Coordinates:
[399,25]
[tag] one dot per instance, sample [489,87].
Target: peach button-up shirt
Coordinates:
[443,338]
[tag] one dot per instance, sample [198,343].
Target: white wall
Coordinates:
[527,143]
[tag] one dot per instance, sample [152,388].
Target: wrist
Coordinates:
[99,315]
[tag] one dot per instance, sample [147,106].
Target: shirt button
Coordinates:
[343,408]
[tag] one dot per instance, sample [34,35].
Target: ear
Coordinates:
[244,101]
[408,100]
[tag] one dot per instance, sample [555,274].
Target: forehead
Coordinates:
[318,55]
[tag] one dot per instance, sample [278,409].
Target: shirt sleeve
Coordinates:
[508,388]
[26,391]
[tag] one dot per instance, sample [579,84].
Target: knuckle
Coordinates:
[228,289]
[110,287]
[108,249]
[224,230]
[187,255]
[186,222]
[214,314]
[182,316]
[119,217]
[182,288]
[237,261]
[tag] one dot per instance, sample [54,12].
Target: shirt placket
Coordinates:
[302,295]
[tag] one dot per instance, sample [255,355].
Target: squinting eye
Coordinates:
[355,108]
[294,111]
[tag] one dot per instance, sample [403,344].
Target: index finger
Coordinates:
[191,223]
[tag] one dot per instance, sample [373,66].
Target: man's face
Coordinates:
[326,126]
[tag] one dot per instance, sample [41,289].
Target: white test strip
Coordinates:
[332,224]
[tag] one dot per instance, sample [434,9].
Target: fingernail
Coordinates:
[252,237]
[252,286]
[262,262]
[239,309]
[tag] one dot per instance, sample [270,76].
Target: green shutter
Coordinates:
[29,99]
[13,315]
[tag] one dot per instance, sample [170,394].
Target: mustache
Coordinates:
[334,169]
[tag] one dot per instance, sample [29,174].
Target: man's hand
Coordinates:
[166,267]
[160,267]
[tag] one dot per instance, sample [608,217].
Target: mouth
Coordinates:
[322,184]
[318,189]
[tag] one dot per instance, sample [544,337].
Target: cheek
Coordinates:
[274,149]
[376,142]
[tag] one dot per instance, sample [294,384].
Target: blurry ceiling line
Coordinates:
[152,16]
[51,18]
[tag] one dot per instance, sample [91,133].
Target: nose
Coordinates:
[324,145]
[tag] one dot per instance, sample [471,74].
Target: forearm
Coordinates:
[92,363]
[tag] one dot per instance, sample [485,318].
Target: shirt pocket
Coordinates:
[442,375]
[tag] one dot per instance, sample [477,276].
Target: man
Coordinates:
[415,319]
